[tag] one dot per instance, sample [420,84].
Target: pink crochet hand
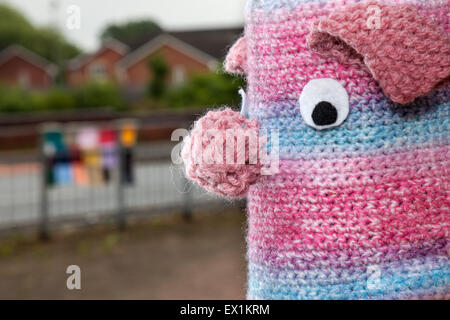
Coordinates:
[222,153]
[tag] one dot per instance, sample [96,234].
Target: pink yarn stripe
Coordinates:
[340,172]
[361,257]
[281,64]
[412,48]
[354,217]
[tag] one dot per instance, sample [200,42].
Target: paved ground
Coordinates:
[166,258]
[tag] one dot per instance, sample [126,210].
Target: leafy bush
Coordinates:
[55,99]
[14,100]
[207,90]
[92,95]
[98,94]
[203,90]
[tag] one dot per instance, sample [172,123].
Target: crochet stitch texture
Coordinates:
[362,210]
[205,155]
[413,68]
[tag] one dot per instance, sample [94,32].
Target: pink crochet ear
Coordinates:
[405,52]
[236,60]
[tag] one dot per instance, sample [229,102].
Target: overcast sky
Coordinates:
[95,14]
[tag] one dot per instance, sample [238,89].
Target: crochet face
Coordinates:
[356,92]
[289,78]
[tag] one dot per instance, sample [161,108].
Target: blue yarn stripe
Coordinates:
[393,282]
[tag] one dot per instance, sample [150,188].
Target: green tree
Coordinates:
[14,27]
[131,31]
[207,91]
[159,71]
[46,41]
[54,46]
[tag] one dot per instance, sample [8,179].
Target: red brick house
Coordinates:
[186,53]
[21,67]
[183,60]
[99,66]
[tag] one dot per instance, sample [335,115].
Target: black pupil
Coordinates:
[324,114]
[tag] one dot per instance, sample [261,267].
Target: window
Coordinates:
[178,75]
[24,78]
[98,71]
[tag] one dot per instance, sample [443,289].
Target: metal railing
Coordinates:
[159,187]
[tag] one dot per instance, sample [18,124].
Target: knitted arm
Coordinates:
[222,153]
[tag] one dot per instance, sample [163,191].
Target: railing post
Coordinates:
[187,198]
[43,200]
[126,140]
[120,184]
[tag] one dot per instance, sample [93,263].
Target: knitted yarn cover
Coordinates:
[358,210]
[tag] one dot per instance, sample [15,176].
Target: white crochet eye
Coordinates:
[324,103]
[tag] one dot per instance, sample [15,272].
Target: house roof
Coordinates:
[169,40]
[16,50]
[214,42]
[108,43]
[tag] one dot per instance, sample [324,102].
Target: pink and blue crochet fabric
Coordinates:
[358,94]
